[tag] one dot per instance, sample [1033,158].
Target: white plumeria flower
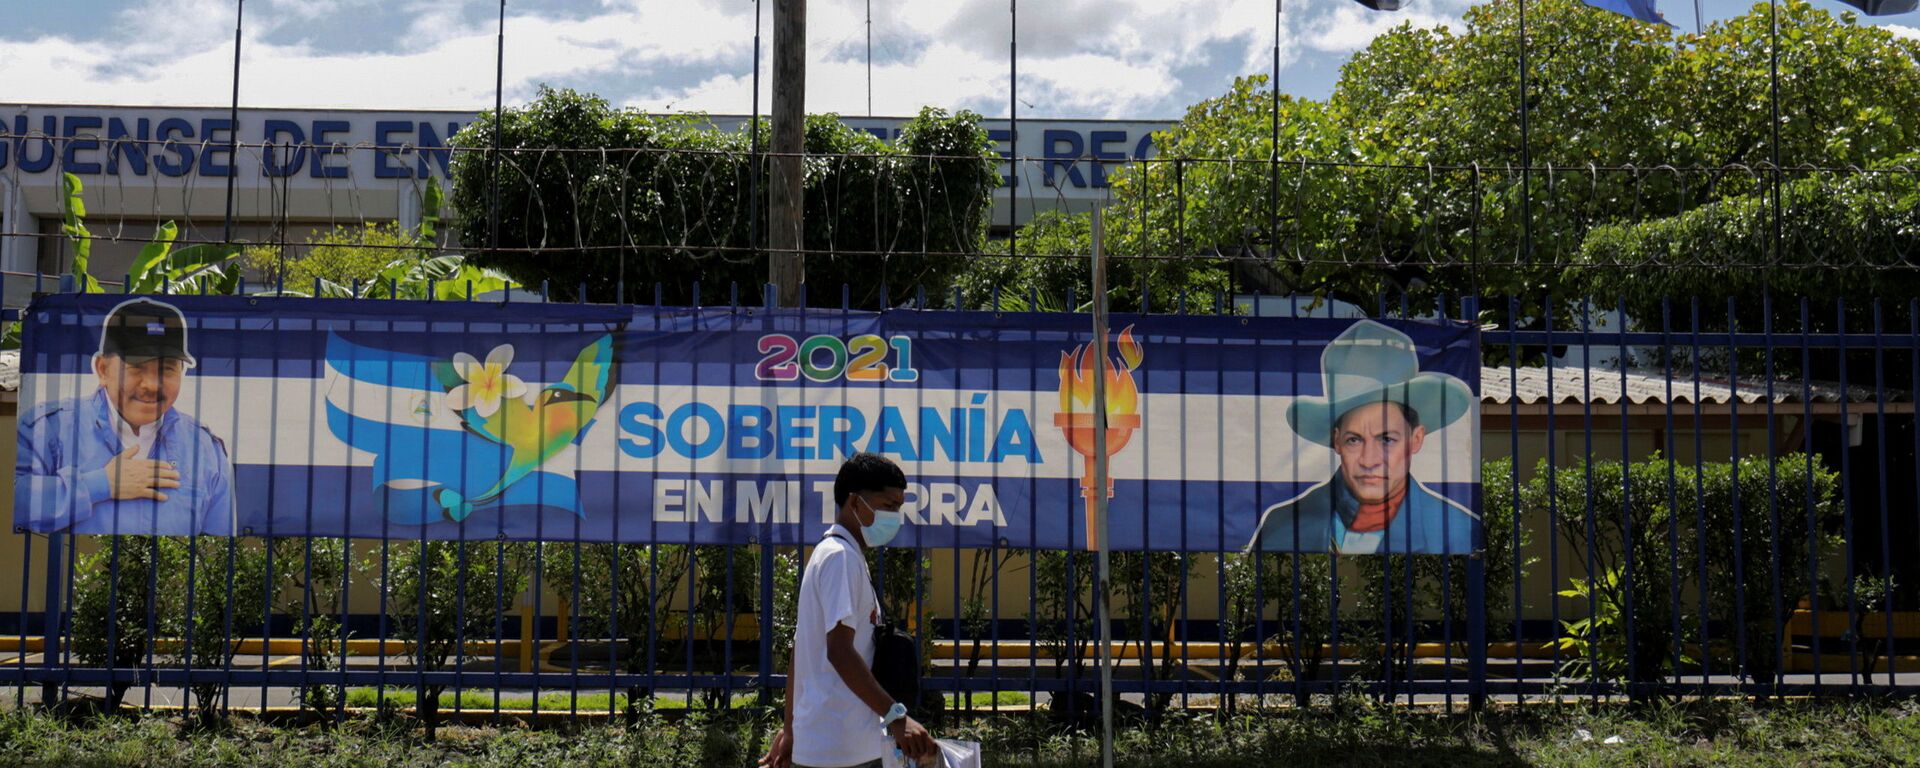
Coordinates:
[486,383]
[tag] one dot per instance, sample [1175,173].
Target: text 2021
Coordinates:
[826,358]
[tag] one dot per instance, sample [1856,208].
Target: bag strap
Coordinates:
[890,625]
[856,548]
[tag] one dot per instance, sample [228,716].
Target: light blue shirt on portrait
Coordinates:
[1316,521]
[64,447]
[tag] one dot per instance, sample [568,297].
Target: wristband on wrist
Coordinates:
[896,712]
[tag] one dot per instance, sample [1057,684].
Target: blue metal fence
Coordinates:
[1725,508]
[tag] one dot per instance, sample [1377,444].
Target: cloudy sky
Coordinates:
[1078,58]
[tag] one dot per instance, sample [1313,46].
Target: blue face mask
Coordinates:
[886,524]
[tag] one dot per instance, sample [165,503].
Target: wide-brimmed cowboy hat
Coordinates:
[1372,363]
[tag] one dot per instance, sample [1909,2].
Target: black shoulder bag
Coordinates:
[896,657]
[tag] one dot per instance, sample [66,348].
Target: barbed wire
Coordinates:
[106,144]
[690,202]
[1197,257]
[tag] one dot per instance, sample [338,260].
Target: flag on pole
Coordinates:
[1883,7]
[1642,10]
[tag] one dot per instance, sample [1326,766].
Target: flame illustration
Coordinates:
[1076,416]
[1077,375]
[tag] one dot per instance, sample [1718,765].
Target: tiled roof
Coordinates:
[1576,385]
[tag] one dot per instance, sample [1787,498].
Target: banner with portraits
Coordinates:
[562,422]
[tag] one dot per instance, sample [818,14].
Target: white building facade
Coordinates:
[314,169]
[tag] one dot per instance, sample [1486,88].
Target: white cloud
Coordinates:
[1351,26]
[1083,58]
[175,62]
[1911,33]
[1079,58]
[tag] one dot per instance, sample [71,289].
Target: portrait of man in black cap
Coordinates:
[123,459]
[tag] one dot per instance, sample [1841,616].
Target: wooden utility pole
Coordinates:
[787,268]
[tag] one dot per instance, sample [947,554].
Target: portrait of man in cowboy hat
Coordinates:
[1376,414]
[123,458]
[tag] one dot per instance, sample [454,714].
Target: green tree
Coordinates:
[1863,226]
[311,582]
[376,260]
[626,596]
[160,267]
[343,255]
[179,601]
[1406,178]
[114,614]
[1845,90]
[1264,608]
[218,593]
[1652,518]
[440,594]
[665,199]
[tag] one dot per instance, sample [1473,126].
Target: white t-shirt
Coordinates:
[831,726]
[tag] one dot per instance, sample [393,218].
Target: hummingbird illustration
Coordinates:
[536,427]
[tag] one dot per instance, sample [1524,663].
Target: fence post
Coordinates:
[1477,624]
[767,626]
[1097,497]
[50,623]
[1477,563]
[529,633]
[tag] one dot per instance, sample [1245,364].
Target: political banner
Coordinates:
[240,416]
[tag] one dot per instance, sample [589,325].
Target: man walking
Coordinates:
[837,715]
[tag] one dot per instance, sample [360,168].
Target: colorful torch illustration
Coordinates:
[1077,371]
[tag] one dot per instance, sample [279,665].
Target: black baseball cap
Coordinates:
[143,329]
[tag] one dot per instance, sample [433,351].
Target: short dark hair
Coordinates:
[865,472]
[1406,411]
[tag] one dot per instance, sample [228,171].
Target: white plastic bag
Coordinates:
[960,754]
[953,754]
